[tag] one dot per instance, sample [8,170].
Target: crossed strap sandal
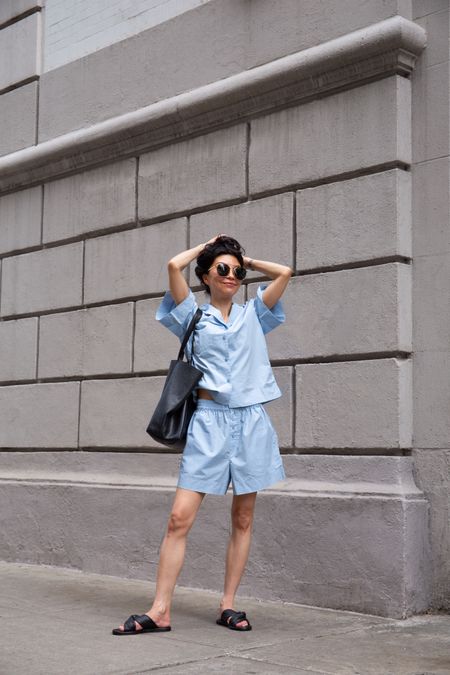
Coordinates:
[147,623]
[230,618]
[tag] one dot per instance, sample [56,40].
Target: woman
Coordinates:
[230,436]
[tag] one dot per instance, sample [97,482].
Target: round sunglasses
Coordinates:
[223,270]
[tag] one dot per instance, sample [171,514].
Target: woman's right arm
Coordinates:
[177,283]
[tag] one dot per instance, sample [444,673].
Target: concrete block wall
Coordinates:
[323,185]
[107,233]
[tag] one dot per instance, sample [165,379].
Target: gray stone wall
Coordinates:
[431,284]
[311,144]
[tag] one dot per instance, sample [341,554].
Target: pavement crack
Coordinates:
[298,638]
[285,665]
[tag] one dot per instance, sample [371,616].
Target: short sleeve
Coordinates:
[176,317]
[268,318]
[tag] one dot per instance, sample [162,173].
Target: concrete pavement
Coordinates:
[58,621]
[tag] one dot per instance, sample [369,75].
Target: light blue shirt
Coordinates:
[231,355]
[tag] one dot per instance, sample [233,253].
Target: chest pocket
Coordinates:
[209,344]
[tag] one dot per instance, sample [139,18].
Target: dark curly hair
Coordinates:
[222,244]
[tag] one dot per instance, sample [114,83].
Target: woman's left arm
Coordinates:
[279,273]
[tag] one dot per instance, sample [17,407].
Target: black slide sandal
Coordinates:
[235,618]
[147,623]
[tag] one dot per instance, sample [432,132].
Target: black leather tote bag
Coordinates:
[169,423]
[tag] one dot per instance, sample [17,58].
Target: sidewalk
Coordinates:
[59,621]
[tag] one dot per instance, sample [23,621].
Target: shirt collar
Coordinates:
[207,308]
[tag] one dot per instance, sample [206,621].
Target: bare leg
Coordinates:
[242,512]
[184,510]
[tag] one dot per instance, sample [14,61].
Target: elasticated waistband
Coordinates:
[207,403]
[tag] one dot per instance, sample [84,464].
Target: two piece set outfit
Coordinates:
[229,438]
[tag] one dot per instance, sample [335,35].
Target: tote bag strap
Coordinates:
[187,335]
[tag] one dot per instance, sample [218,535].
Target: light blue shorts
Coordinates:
[223,444]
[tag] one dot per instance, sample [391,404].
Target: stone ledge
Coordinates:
[385,48]
[321,475]
[293,488]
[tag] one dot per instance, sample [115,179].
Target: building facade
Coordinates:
[317,133]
